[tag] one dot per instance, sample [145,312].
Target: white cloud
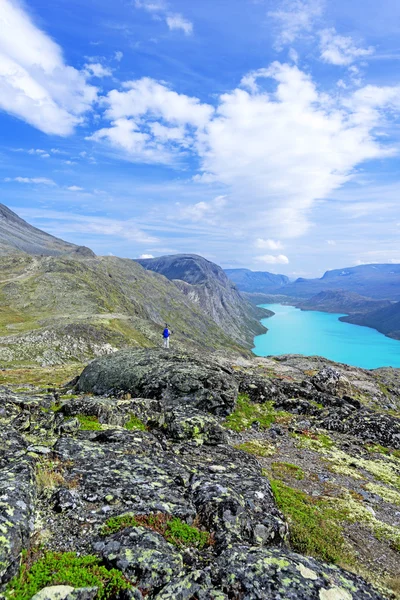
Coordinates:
[269,259]
[340,50]
[331,242]
[74,188]
[35,180]
[296,17]
[275,153]
[118,55]
[159,10]
[268,244]
[97,70]
[135,116]
[146,256]
[203,211]
[176,21]
[35,83]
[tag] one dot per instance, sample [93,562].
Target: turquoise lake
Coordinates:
[293,331]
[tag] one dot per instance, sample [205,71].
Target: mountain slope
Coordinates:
[256,281]
[16,235]
[386,320]
[342,301]
[206,284]
[54,309]
[373,281]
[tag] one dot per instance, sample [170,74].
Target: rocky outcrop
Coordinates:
[106,474]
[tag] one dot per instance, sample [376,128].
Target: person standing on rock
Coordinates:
[166,334]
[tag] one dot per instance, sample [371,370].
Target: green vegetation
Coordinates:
[247,413]
[384,492]
[257,447]
[377,448]
[89,423]
[66,568]
[49,474]
[172,529]
[135,424]
[41,376]
[313,441]
[283,470]
[315,528]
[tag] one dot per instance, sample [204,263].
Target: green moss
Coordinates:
[174,530]
[315,526]
[89,423]
[247,413]
[313,441]
[66,568]
[283,470]
[135,424]
[257,447]
[377,448]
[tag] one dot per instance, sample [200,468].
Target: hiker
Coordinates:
[166,334]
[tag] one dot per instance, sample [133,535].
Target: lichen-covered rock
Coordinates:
[278,574]
[180,425]
[53,592]
[331,381]
[172,377]
[143,556]
[197,585]
[17,497]
[260,389]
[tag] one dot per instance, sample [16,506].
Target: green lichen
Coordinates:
[283,470]
[247,413]
[388,494]
[313,441]
[174,530]
[66,568]
[257,447]
[89,423]
[135,424]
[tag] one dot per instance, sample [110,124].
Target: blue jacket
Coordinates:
[166,333]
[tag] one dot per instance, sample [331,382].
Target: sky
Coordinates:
[258,133]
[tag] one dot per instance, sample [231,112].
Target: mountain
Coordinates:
[16,235]
[256,281]
[206,284]
[386,320]
[372,281]
[342,301]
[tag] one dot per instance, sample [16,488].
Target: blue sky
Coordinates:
[258,133]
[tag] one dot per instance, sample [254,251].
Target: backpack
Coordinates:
[166,333]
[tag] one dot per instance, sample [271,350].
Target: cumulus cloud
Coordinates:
[35,180]
[203,211]
[340,50]
[176,21]
[35,83]
[97,70]
[74,188]
[268,244]
[276,152]
[295,18]
[269,259]
[146,256]
[160,10]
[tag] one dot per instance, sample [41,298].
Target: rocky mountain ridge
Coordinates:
[257,281]
[386,320]
[173,476]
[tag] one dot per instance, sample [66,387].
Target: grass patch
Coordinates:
[315,528]
[41,376]
[49,475]
[247,413]
[378,449]
[257,447]
[88,423]
[135,424]
[66,568]
[172,529]
[283,470]
[313,441]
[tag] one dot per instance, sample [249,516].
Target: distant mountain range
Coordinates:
[16,235]
[60,302]
[341,301]
[386,320]
[256,281]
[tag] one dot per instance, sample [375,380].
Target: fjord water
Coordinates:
[293,331]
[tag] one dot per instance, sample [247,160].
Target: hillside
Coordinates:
[206,284]
[371,281]
[341,301]
[256,281]
[55,309]
[386,320]
[16,235]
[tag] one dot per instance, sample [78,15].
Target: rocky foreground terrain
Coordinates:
[172,476]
